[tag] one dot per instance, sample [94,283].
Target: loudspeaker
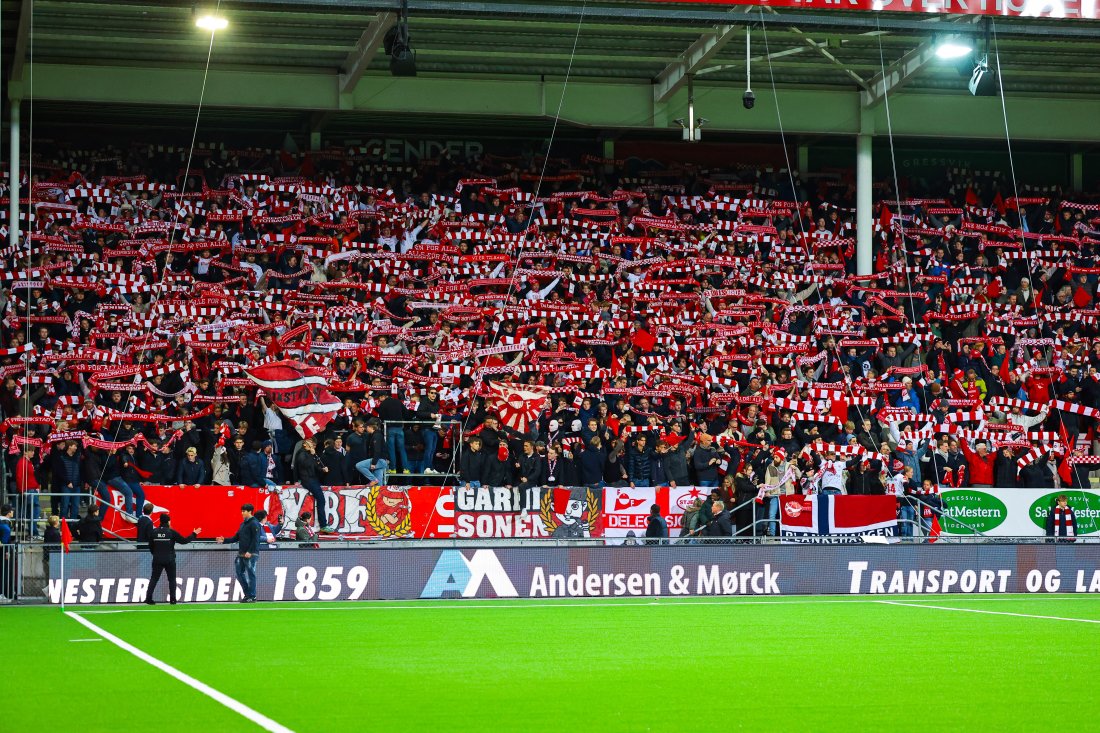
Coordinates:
[403,62]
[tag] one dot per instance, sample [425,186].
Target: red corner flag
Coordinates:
[936,530]
[66,535]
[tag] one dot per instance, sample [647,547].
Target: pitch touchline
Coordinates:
[512,603]
[238,707]
[991,613]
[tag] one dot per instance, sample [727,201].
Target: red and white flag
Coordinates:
[517,405]
[299,391]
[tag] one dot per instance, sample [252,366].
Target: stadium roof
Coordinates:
[624,43]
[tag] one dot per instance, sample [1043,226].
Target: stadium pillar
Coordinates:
[13,173]
[1077,171]
[803,159]
[864,188]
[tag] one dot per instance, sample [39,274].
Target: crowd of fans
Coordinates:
[694,326]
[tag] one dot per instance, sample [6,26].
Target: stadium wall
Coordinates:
[400,573]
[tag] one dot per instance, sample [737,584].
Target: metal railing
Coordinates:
[21,524]
[455,451]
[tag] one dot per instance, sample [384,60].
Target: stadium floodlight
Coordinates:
[212,23]
[953,49]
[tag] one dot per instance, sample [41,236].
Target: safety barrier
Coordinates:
[545,569]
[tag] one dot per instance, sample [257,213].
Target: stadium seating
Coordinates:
[664,303]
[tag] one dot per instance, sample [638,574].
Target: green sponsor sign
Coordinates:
[979,510]
[1085,505]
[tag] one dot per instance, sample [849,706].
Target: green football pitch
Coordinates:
[905,663]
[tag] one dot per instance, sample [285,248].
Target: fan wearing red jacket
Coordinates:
[981,463]
[27,484]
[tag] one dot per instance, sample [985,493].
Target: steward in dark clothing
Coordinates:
[162,545]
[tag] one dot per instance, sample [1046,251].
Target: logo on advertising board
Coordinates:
[456,573]
[980,510]
[1085,505]
[569,513]
[794,508]
[682,497]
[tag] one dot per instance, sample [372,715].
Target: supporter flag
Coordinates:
[518,405]
[935,531]
[299,391]
[643,339]
[999,203]
[885,217]
[836,519]
[66,535]
[971,197]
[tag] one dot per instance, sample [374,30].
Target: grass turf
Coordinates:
[688,664]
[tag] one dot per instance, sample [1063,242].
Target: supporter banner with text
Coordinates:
[1061,9]
[1015,512]
[387,572]
[836,518]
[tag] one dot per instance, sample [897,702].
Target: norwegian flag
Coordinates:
[300,393]
[517,406]
[836,519]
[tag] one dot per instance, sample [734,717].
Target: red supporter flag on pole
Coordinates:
[517,406]
[66,535]
[299,391]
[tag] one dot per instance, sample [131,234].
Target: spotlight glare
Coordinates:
[212,23]
[951,50]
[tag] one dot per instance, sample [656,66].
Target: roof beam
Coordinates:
[19,57]
[360,57]
[902,71]
[698,55]
[899,73]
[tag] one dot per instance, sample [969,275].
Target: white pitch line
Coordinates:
[518,604]
[992,613]
[74,640]
[238,707]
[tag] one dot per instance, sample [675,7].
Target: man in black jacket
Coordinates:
[720,525]
[394,414]
[162,544]
[248,550]
[531,469]
[471,466]
[372,449]
[145,524]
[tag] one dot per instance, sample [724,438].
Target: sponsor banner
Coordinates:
[627,509]
[217,509]
[389,572]
[1061,9]
[1015,512]
[836,518]
[499,512]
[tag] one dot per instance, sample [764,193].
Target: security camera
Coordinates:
[748,99]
